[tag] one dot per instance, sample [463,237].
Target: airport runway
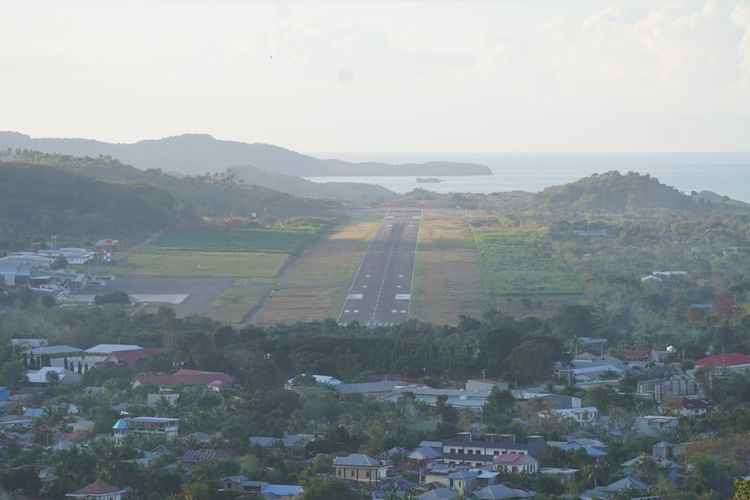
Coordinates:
[380,294]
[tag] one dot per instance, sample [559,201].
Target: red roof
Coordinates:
[637,353]
[510,459]
[131,356]
[98,488]
[729,359]
[185,376]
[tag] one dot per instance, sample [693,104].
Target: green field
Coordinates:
[515,261]
[155,262]
[447,277]
[212,238]
[236,301]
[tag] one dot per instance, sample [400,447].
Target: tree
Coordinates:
[12,374]
[327,489]
[59,263]
[52,377]
[48,301]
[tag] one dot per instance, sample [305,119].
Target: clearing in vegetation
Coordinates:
[215,238]
[157,262]
[518,261]
[318,286]
[447,277]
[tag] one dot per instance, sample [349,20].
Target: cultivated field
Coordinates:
[211,238]
[151,261]
[318,286]
[516,261]
[447,277]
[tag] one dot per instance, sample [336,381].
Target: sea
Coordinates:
[727,174]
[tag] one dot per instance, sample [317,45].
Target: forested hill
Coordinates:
[199,153]
[37,200]
[613,192]
[206,195]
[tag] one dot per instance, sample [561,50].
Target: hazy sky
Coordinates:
[386,75]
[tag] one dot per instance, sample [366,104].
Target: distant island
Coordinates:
[424,180]
[193,154]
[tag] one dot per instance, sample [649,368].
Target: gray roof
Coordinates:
[438,494]
[356,460]
[369,387]
[463,474]
[54,349]
[264,441]
[498,491]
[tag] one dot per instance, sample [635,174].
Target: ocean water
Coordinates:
[724,173]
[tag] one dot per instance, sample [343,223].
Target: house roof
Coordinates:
[99,488]
[185,376]
[511,459]
[438,494]
[356,460]
[51,350]
[202,454]
[110,348]
[130,356]
[40,376]
[499,491]
[728,359]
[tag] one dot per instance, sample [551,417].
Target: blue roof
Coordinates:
[282,490]
[120,424]
[34,412]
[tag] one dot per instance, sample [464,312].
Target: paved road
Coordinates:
[381,291]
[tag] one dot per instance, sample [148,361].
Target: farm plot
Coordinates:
[318,286]
[447,277]
[152,261]
[212,238]
[517,261]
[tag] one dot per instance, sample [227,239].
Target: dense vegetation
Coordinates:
[39,200]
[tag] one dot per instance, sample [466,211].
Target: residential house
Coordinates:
[42,376]
[154,426]
[584,415]
[592,447]
[560,473]
[730,361]
[25,345]
[424,453]
[4,393]
[631,467]
[628,483]
[184,376]
[466,449]
[200,454]
[654,425]
[168,395]
[241,484]
[99,490]
[695,407]
[131,356]
[438,494]
[463,481]
[500,491]
[56,351]
[516,463]
[107,349]
[637,355]
[485,384]
[662,449]
[359,467]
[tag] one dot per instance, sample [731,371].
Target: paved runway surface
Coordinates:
[381,291]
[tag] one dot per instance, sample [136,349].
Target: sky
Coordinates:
[383,76]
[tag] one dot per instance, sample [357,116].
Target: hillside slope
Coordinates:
[214,196]
[37,200]
[199,153]
[612,192]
